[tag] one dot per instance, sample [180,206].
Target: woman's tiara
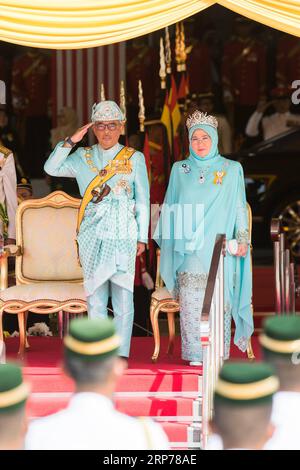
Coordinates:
[201,118]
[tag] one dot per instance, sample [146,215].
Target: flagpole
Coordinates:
[123,104]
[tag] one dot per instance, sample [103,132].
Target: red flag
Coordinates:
[187,83]
[166,119]
[182,92]
[174,108]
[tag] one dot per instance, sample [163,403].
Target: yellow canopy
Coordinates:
[76,24]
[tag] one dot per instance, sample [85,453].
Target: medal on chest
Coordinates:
[120,166]
[219,175]
[185,168]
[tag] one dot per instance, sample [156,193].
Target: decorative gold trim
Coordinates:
[250,391]
[14,396]
[102,92]
[141,114]
[90,349]
[99,180]
[123,103]
[43,306]
[286,347]
[162,70]
[168,51]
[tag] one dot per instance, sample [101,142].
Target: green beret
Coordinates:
[246,383]
[13,391]
[92,339]
[281,335]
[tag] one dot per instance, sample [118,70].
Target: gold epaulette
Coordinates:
[5,151]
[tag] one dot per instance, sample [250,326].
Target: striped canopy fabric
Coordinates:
[78,74]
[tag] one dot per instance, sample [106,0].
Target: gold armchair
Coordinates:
[48,276]
[162,301]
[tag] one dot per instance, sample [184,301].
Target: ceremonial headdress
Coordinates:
[107,111]
[92,339]
[244,383]
[13,391]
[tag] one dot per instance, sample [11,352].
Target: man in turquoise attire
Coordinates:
[206,194]
[114,214]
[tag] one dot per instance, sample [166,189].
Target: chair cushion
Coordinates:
[60,291]
[49,248]
[162,293]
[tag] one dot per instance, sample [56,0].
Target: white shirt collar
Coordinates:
[111,151]
[90,400]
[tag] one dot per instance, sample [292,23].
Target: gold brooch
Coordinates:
[219,175]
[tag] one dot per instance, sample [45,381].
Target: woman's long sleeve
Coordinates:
[242,222]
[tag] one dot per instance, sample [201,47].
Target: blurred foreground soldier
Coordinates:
[113,216]
[281,348]
[280,121]
[91,422]
[243,405]
[8,195]
[13,395]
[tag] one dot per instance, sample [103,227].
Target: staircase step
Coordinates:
[176,432]
[134,380]
[42,404]
[155,406]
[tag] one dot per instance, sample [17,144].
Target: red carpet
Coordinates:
[165,390]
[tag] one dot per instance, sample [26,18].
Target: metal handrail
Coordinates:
[284,271]
[212,275]
[212,332]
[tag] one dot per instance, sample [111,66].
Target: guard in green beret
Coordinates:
[91,422]
[280,342]
[243,405]
[13,395]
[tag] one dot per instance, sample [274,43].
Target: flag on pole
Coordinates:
[166,119]
[174,107]
[171,118]
[183,88]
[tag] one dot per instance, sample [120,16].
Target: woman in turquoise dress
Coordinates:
[206,197]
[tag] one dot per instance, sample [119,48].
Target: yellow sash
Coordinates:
[124,154]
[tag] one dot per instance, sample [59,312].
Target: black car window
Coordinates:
[286,143]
